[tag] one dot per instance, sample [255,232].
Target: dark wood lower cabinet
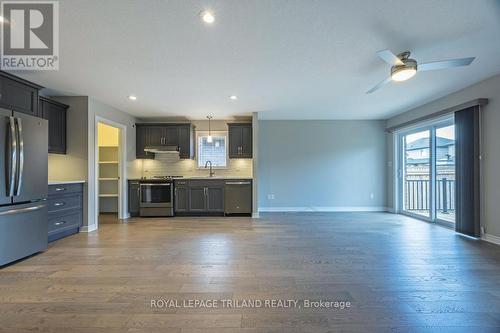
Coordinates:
[215,198]
[134,197]
[181,199]
[65,208]
[199,197]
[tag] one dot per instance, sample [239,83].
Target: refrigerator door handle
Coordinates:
[21,157]
[21,210]
[12,156]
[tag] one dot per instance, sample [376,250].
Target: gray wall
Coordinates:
[73,165]
[321,165]
[490,209]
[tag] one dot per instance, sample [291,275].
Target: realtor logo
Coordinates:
[29,35]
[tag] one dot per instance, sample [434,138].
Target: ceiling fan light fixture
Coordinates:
[207,16]
[404,72]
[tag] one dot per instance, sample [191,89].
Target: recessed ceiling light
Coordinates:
[233,97]
[207,16]
[132,98]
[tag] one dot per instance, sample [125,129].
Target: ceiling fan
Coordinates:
[404,68]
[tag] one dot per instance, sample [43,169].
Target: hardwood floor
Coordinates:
[399,274]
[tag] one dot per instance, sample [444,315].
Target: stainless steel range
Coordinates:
[157,196]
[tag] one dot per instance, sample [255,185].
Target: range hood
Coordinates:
[162,149]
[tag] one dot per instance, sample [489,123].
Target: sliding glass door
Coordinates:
[445,173]
[417,173]
[427,173]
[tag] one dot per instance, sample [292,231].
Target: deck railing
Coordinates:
[417,194]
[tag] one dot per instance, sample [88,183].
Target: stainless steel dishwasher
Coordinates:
[238,197]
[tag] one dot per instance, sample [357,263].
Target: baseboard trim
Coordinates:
[323,209]
[390,210]
[88,228]
[491,239]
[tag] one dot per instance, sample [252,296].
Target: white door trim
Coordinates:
[122,154]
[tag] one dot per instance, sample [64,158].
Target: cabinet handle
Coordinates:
[59,189]
[57,204]
[0,96]
[60,223]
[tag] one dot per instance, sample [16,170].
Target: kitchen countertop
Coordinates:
[61,182]
[216,177]
[203,178]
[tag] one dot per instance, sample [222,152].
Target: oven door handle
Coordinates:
[156,184]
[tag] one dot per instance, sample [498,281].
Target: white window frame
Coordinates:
[213,133]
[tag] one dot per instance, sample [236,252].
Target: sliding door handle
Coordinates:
[12,156]
[21,156]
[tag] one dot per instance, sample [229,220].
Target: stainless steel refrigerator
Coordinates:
[23,185]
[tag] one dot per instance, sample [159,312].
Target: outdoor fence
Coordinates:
[417,194]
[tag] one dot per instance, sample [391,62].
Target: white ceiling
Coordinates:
[286,59]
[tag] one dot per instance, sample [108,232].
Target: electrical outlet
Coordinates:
[372,195]
[270,197]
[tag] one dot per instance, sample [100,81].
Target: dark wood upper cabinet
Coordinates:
[55,113]
[186,141]
[171,136]
[141,133]
[18,94]
[180,135]
[240,140]
[155,136]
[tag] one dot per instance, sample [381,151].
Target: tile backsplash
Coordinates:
[171,164]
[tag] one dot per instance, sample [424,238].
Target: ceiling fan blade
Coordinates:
[379,85]
[389,57]
[432,66]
